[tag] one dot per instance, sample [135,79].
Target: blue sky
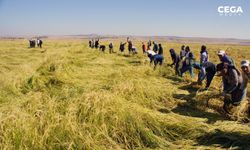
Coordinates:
[189,18]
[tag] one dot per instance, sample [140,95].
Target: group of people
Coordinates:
[154,52]
[95,44]
[33,43]
[131,48]
[234,81]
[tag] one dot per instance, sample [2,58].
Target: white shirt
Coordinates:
[151,52]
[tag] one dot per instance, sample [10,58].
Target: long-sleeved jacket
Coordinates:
[246,80]
[155,48]
[204,57]
[232,80]
[227,59]
[175,58]
[207,67]
[160,52]
[182,53]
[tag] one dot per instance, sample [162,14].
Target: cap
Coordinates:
[244,63]
[221,52]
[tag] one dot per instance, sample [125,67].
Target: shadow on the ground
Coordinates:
[135,62]
[124,55]
[190,88]
[227,140]
[175,79]
[193,107]
[192,111]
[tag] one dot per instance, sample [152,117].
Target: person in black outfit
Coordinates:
[97,44]
[90,43]
[122,47]
[102,48]
[32,43]
[209,74]
[130,46]
[155,47]
[176,61]
[111,48]
[39,43]
[160,51]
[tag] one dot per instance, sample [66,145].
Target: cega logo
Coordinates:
[230,10]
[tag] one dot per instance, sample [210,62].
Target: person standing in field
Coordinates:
[149,45]
[97,44]
[155,47]
[187,51]
[32,43]
[90,43]
[111,48]
[160,51]
[130,46]
[39,43]
[93,43]
[182,52]
[203,59]
[188,62]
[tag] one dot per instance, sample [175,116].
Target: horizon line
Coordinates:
[116,35]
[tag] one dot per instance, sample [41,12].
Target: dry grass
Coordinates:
[73,97]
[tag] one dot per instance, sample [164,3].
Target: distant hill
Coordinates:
[177,39]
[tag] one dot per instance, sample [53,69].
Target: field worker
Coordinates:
[187,51]
[93,43]
[32,43]
[130,46]
[176,61]
[155,47]
[102,48]
[111,48]
[203,59]
[209,73]
[232,81]
[224,58]
[158,59]
[160,51]
[188,64]
[143,48]
[203,55]
[122,47]
[39,43]
[245,67]
[134,50]
[182,52]
[90,43]
[149,45]
[97,44]
[151,55]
